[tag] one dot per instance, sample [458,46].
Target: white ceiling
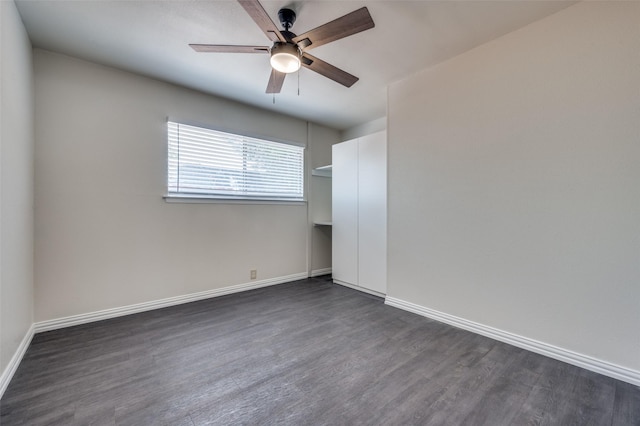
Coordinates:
[151,37]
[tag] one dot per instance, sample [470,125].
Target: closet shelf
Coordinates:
[324,171]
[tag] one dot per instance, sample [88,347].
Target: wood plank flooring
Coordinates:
[302,353]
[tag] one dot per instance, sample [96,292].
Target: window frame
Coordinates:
[199,198]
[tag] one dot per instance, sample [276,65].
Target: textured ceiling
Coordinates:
[151,38]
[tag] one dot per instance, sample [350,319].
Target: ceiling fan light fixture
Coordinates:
[285,57]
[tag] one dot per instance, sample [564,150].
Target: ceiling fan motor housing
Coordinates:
[288,35]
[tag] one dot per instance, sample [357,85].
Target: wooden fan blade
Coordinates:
[259,15]
[351,23]
[223,48]
[328,70]
[275,81]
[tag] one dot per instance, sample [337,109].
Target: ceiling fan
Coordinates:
[289,52]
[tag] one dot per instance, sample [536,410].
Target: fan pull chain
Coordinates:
[298,81]
[274,98]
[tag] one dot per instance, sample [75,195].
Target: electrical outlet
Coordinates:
[254,274]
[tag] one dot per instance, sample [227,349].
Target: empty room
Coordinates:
[319,212]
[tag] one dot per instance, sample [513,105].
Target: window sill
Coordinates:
[195,199]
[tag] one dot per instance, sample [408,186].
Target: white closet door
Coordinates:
[345,212]
[372,212]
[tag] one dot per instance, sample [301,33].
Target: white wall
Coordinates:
[105,238]
[16,185]
[514,195]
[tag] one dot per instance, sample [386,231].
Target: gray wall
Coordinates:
[105,237]
[16,184]
[514,196]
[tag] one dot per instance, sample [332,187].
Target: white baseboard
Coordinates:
[11,368]
[319,272]
[57,323]
[617,372]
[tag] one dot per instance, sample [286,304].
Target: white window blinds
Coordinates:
[210,163]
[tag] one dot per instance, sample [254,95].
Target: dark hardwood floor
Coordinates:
[303,353]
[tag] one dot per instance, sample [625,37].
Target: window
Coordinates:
[206,163]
